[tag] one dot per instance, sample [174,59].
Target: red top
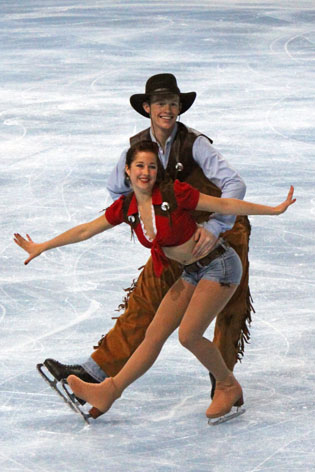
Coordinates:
[183,225]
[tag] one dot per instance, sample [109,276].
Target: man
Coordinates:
[187,155]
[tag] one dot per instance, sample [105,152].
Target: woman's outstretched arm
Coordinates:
[73,235]
[232,206]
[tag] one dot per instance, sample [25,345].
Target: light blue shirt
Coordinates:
[214,166]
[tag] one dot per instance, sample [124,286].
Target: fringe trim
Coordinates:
[123,305]
[129,290]
[245,333]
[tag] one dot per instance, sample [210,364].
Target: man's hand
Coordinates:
[205,242]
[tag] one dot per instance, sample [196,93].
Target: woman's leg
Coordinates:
[166,320]
[141,305]
[208,299]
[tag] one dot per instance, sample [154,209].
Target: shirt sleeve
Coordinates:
[218,171]
[187,197]
[114,213]
[116,184]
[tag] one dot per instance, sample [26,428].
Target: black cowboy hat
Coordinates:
[161,84]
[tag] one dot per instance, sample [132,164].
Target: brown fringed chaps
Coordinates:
[143,298]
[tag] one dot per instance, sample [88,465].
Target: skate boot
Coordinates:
[228,393]
[62,371]
[102,395]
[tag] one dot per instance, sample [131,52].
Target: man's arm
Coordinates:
[218,171]
[116,182]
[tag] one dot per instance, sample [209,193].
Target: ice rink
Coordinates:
[68,68]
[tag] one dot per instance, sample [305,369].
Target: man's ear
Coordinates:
[146,107]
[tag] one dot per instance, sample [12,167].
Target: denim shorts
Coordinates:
[225,269]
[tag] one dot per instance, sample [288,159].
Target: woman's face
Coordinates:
[143,171]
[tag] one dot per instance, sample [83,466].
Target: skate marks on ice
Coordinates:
[188,401]
[279,117]
[300,49]
[33,341]
[63,122]
[286,451]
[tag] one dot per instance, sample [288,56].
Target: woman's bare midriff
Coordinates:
[182,253]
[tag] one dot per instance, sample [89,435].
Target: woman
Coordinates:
[159,214]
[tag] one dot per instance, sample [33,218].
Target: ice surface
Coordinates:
[68,68]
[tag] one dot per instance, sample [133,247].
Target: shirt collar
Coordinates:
[170,139]
[156,200]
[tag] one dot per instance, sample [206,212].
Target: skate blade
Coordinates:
[53,383]
[234,413]
[76,405]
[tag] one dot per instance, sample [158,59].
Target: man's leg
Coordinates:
[121,341]
[166,320]
[231,329]
[232,324]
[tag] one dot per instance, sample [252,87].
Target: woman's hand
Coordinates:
[285,205]
[29,246]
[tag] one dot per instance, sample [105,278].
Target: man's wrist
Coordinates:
[213,227]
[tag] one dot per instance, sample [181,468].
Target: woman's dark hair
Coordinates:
[145,146]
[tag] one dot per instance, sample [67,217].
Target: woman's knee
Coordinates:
[187,338]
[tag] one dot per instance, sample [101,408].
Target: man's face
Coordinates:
[163,111]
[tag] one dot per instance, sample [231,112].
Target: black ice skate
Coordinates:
[62,371]
[53,372]
[55,385]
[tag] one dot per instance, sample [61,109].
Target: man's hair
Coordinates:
[145,146]
[157,97]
